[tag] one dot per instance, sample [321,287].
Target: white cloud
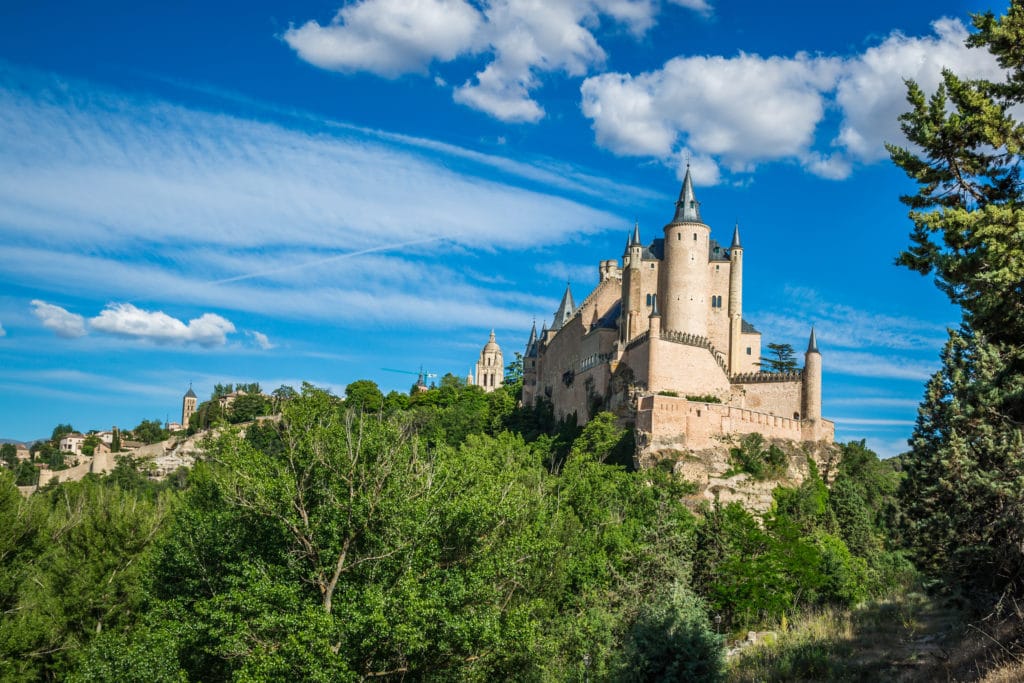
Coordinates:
[388,37]
[871,93]
[700,6]
[741,110]
[3,332]
[261,340]
[744,110]
[126,320]
[520,38]
[62,322]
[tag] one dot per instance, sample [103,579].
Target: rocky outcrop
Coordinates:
[711,470]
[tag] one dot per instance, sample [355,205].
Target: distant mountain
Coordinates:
[17,442]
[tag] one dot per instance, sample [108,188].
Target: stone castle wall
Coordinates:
[685,369]
[778,398]
[668,422]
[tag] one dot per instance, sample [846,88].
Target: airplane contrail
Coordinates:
[328,259]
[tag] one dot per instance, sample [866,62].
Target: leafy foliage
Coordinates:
[760,462]
[425,541]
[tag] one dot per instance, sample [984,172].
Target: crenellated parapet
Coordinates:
[762,377]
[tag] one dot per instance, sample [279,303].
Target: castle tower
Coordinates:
[812,381]
[632,293]
[683,286]
[188,406]
[490,369]
[735,301]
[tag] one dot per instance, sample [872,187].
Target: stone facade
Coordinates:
[662,342]
[188,405]
[490,369]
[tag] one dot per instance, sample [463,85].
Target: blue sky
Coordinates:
[319,190]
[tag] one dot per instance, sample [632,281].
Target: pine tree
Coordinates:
[963,494]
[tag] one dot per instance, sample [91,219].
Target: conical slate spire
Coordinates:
[736,237]
[687,207]
[636,233]
[812,344]
[654,308]
[531,344]
[565,309]
[190,393]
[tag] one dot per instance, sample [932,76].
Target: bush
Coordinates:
[672,640]
[752,457]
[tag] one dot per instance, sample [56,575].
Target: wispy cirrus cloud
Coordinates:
[261,340]
[245,215]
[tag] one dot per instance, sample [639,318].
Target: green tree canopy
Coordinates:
[364,395]
[780,358]
[963,501]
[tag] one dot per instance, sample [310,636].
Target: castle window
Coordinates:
[649,300]
[652,266]
[748,350]
[679,236]
[694,237]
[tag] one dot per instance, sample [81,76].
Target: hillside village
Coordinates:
[156,450]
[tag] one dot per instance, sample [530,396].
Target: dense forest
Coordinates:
[446,535]
[449,534]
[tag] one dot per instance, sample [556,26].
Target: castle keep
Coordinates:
[662,340]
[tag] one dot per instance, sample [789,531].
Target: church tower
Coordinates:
[188,406]
[490,369]
[735,301]
[683,286]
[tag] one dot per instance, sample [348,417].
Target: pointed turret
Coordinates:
[531,344]
[654,308]
[736,237]
[565,309]
[812,343]
[687,207]
[812,382]
[190,393]
[636,233]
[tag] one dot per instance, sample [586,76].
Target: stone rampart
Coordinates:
[669,422]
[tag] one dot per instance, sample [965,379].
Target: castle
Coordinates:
[662,341]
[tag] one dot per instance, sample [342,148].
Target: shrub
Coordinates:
[672,640]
